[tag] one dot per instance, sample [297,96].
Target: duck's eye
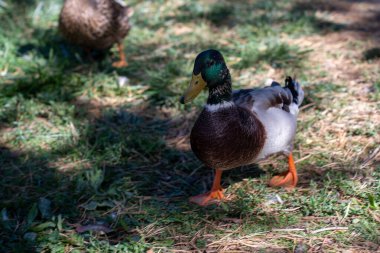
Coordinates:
[210,63]
[196,82]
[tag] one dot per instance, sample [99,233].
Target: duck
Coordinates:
[241,127]
[96,25]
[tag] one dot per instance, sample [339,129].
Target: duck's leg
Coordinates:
[287,179]
[122,62]
[212,196]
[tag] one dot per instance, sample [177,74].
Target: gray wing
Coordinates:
[270,96]
[264,98]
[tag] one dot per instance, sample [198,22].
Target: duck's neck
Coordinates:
[221,92]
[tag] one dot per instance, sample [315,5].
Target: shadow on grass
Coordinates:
[261,14]
[121,160]
[300,18]
[119,173]
[371,54]
[27,178]
[49,45]
[366,26]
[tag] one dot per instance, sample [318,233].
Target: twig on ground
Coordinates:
[328,229]
[288,229]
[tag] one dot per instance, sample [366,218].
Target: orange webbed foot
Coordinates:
[213,196]
[120,64]
[287,179]
[208,198]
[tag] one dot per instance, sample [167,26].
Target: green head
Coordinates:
[209,71]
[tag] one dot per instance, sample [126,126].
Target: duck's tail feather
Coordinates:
[295,89]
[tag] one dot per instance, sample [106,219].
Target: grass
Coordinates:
[89,164]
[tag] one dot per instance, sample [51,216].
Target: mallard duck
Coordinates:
[96,24]
[241,127]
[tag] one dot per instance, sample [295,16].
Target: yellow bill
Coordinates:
[197,84]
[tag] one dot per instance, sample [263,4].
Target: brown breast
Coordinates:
[227,138]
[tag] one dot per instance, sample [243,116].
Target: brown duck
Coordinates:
[96,24]
[241,127]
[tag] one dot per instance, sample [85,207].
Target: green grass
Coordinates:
[78,149]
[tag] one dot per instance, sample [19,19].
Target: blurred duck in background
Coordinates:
[96,25]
